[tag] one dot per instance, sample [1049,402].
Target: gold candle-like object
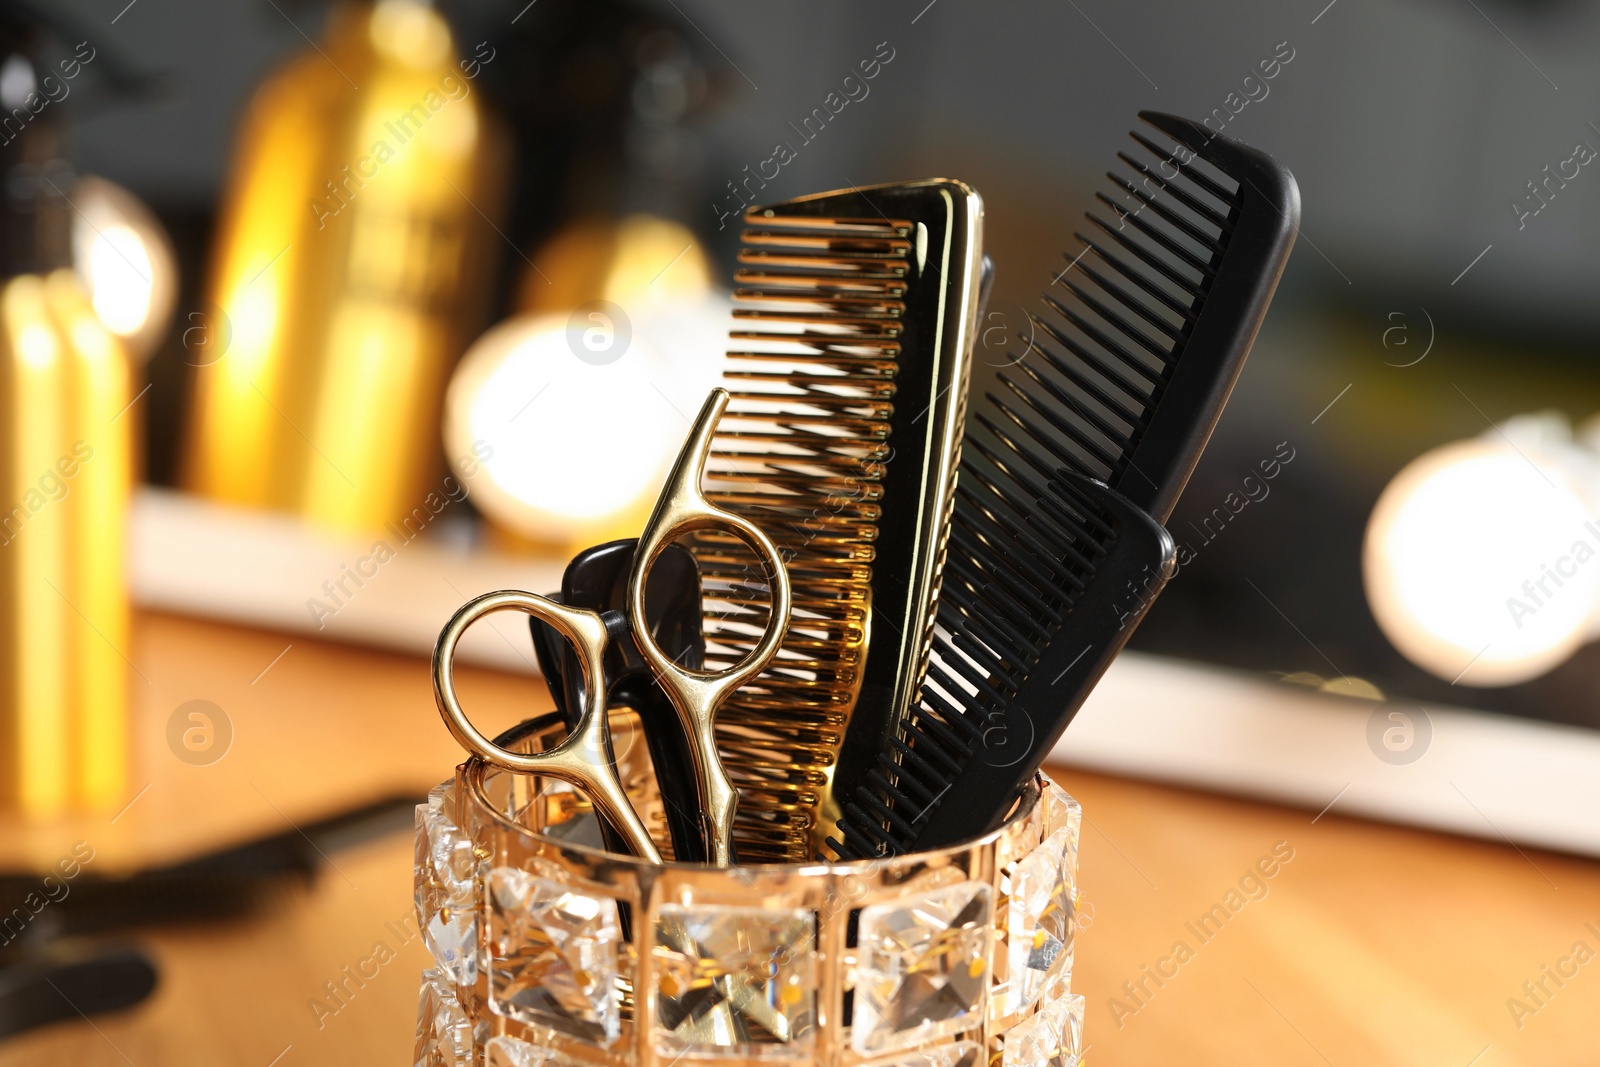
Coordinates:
[98,451]
[66,469]
[65,473]
[33,610]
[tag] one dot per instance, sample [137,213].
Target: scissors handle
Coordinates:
[682,509]
[597,579]
[583,758]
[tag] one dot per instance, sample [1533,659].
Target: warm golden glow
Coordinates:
[125,263]
[409,32]
[119,269]
[97,510]
[36,342]
[236,438]
[347,268]
[65,472]
[577,450]
[617,378]
[641,259]
[1459,558]
[33,615]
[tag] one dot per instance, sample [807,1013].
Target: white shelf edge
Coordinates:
[1483,775]
[257,568]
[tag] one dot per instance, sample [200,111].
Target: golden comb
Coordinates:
[855,312]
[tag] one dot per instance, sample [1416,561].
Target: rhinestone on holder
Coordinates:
[513,1052]
[553,955]
[444,873]
[444,1033]
[1041,919]
[1051,1037]
[960,1054]
[735,980]
[924,967]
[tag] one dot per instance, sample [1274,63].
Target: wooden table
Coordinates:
[1371,945]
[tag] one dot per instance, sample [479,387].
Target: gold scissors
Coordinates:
[582,759]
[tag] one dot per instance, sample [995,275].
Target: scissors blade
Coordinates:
[597,579]
[682,509]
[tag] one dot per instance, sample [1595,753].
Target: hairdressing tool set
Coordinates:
[889,601]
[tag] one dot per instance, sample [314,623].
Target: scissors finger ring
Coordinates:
[583,758]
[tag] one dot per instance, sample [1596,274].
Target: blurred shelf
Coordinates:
[1490,776]
[260,568]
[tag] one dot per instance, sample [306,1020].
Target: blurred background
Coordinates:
[1433,279]
[357,309]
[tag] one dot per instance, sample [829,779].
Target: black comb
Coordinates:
[1139,344]
[1145,332]
[1042,588]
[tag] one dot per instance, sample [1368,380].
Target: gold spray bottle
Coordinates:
[348,272]
[66,448]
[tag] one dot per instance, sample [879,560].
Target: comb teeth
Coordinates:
[1011,569]
[820,307]
[1133,354]
[1118,319]
[854,320]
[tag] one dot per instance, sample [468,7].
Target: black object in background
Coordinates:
[62,981]
[56,964]
[225,884]
[601,97]
[55,967]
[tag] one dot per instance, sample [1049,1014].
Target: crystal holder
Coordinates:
[551,952]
